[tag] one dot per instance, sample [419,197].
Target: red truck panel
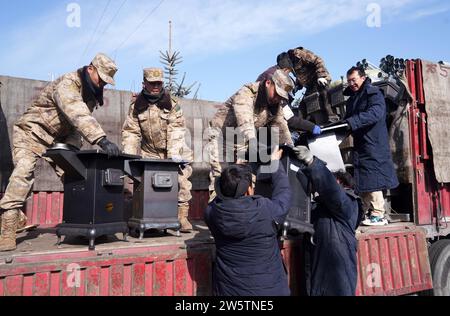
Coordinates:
[46,208]
[151,271]
[391,262]
[431,200]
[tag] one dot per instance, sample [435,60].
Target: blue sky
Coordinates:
[224,44]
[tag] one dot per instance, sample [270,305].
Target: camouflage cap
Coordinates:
[153,75]
[283,84]
[106,68]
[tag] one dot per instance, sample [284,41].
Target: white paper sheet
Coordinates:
[326,148]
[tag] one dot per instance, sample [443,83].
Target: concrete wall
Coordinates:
[17,94]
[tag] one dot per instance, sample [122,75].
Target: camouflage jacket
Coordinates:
[59,114]
[247,112]
[308,67]
[158,130]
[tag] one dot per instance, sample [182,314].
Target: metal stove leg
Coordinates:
[178,233]
[92,235]
[141,235]
[92,244]
[284,234]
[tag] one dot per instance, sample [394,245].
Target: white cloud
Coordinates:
[422,13]
[201,27]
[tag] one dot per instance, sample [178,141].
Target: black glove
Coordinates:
[110,148]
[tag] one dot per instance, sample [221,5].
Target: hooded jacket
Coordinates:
[335,215]
[248,257]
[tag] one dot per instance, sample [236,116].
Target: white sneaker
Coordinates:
[375,221]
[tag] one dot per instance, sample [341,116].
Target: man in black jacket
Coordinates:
[245,226]
[335,215]
[372,158]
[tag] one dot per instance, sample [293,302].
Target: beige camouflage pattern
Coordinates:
[58,115]
[154,75]
[156,132]
[60,111]
[106,68]
[309,67]
[185,187]
[283,83]
[241,112]
[160,134]
[21,180]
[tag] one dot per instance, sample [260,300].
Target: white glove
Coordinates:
[177,158]
[322,82]
[304,154]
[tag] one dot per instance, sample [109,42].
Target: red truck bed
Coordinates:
[391,262]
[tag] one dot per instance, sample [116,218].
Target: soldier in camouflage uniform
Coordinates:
[254,106]
[62,113]
[311,73]
[155,125]
[295,122]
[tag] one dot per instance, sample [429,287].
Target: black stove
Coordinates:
[93,194]
[155,196]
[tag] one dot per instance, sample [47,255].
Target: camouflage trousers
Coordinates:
[222,155]
[26,152]
[214,156]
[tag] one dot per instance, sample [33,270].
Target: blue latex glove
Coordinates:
[317,131]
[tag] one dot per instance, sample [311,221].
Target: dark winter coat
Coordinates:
[335,216]
[366,115]
[248,257]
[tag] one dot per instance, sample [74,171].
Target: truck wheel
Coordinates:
[440,267]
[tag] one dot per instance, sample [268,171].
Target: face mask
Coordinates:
[90,89]
[152,98]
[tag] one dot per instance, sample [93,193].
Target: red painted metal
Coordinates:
[46,208]
[152,271]
[199,203]
[393,263]
[419,198]
[419,83]
[399,256]
[431,200]
[291,251]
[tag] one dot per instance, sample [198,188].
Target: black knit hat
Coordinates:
[284,61]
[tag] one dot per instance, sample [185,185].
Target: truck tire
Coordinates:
[440,268]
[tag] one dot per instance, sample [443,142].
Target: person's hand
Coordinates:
[317,130]
[322,82]
[304,154]
[110,148]
[277,154]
